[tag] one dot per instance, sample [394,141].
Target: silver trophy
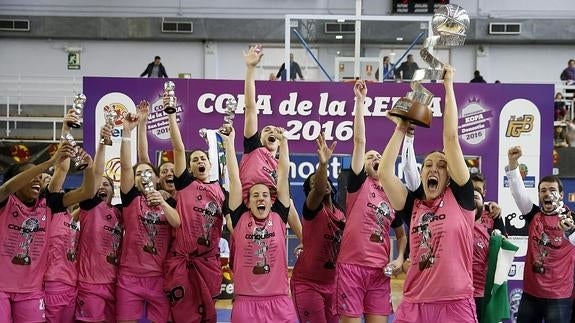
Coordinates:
[226,128]
[231,106]
[449,27]
[388,270]
[78,162]
[148,182]
[79,101]
[109,118]
[170,106]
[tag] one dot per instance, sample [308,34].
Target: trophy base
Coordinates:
[170,110]
[81,166]
[71,256]
[329,265]
[203,241]
[417,113]
[112,259]
[261,270]
[106,141]
[376,237]
[21,260]
[75,125]
[150,249]
[426,262]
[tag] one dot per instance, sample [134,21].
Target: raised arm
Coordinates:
[62,167]
[88,188]
[283,169]
[143,110]
[317,193]
[235,196]
[458,170]
[177,144]
[252,58]
[65,150]
[357,163]
[410,172]
[516,185]
[127,175]
[100,156]
[392,185]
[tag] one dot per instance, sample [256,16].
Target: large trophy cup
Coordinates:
[449,26]
[79,101]
[169,92]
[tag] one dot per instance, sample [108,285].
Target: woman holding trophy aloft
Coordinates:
[439,284]
[193,269]
[147,217]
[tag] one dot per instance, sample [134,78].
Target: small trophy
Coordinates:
[78,107]
[231,106]
[449,26]
[169,88]
[388,270]
[79,163]
[147,181]
[109,118]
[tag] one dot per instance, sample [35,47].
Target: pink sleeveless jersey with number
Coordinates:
[441,251]
[322,239]
[99,245]
[146,239]
[200,209]
[368,219]
[23,245]
[550,261]
[260,265]
[258,167]
[480,253]
[63,249]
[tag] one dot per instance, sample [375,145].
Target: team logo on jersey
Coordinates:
[519,125]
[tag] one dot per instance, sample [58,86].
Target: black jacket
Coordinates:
[148,70]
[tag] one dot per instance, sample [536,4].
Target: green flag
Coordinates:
[496,299]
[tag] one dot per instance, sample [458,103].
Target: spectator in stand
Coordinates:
[560,109]
[568,73]
[477,78]
[387,66]
[294,70]
[406,69]
[155,69]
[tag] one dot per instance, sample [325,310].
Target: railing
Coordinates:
[45,91]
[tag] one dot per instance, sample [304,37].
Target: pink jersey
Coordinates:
[322,238]
[200,209]
[258,167]
[146,239]
[100,242]
[23,238]
[487,220]
[441,251]
[62,249]
[260,262]
[369,217]
[193,264]
[550,259]
[480,253]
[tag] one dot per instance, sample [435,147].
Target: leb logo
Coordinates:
[519,125]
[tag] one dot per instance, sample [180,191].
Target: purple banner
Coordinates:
[306,108]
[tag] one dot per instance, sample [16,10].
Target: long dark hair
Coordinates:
[333,194]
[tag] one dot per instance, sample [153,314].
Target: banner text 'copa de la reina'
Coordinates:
[308,127]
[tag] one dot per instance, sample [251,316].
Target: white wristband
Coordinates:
[126,139]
